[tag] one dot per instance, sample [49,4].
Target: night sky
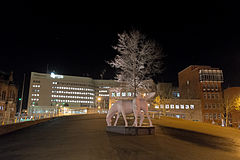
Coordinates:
[76,39]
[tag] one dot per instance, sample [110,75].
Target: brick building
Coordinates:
[8,98]
[204,83]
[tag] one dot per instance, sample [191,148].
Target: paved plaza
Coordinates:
[75,138]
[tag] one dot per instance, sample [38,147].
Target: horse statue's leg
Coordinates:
[149,119]
[141,118]
[145,109]
[135,112]
[125,119]
[118,115]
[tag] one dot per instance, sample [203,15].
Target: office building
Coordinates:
[204,83]
[51,91]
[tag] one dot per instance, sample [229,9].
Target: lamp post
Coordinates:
[21,99]
[99,104]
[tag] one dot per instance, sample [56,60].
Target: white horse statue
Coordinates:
[138,106]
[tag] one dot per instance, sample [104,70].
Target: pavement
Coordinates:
[77,138]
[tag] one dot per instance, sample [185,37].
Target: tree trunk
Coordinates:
[226,119]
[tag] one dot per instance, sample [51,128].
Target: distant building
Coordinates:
[51,91]
[171,104]
[229,95]
[188,109]
[8,98]
[204,83]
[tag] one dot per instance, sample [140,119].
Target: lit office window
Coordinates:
[172,106]
[177,106]
[123,94]
[182,106]
[156,106]
[167,106]
[103,91]
[113,94]
[161,106]
[192,106]
[118,94]
[129,94]
[186,106]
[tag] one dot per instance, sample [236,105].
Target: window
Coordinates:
[213,96]
[162,106]
[208,87]
[129,94]
[205,96]
[177,106]
[214,116]
[191,106]
[213,106]
[118,94]
[210,106]
[208,96]
[167,106]
[216,96]
[219,116]
[172,106]
[204,87]
[156,106]
[113,94]
[123,94]
[213,86]
[3,95]
[210,116]
[206,116]
[182,106]
[206,106]
[187,106]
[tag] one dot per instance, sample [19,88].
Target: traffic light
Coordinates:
[19,99]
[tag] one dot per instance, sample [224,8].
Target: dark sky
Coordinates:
[76,39]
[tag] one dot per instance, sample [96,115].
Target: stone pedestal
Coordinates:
[134,131]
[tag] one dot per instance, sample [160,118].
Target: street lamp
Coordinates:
[99,104]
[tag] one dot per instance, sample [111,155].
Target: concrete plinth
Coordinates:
[134,131]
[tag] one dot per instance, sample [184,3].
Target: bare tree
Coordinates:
[230,104]
[139,59]
[164,93]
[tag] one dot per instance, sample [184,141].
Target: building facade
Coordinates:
[204,83]
[51,90]
[8,98]
[188,109]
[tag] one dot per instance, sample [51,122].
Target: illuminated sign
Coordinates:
[56,76]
